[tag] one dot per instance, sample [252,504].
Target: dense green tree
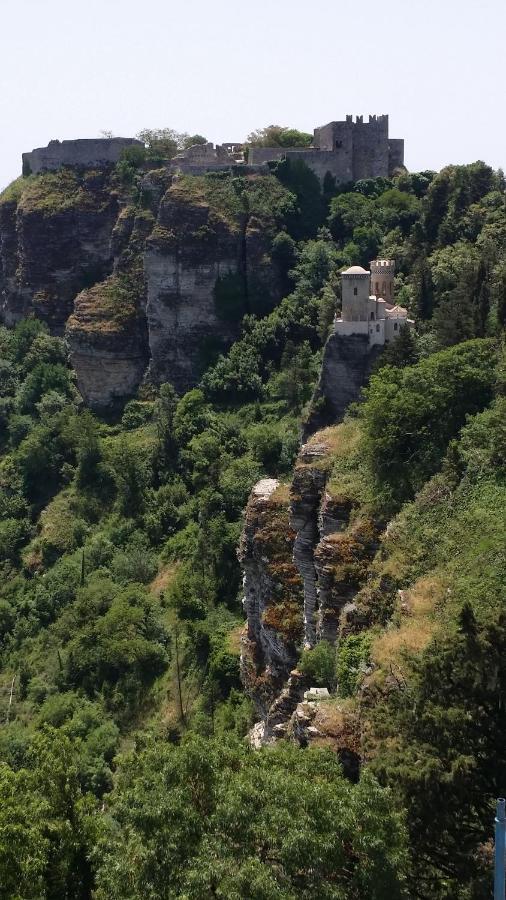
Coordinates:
[231,822]
[279,136]
[403,448]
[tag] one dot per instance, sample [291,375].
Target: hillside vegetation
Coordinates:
[124,772]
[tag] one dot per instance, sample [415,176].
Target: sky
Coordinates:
[223,68]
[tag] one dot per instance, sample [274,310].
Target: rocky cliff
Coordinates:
[347,363]
[55,239]
[273,602]
[305,550]
[153,275]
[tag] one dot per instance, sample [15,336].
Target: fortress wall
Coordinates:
[396,154]
[338,163]
[82,152]
[370,149]
[257,156]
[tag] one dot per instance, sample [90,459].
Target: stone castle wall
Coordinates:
[349,150]
[83,152]
[396,154]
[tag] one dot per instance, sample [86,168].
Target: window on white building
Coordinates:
[355,291]
[395,326]
[377,327]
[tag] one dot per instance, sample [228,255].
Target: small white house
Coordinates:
[368,313]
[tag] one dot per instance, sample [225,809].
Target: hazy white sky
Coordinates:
[69,69]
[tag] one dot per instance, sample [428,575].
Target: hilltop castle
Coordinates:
[348,151]
[368,306]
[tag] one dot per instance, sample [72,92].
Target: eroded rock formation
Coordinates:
[55,239]
[346,366]
[306,551]
[156,276]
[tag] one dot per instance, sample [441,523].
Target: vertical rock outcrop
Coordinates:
[305,496]
[107,333]
[55,239]
[273,600]
[196,243]
[160,273]
[306,552]
[207,263]
[346,366]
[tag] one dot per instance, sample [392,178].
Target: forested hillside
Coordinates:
[124,766]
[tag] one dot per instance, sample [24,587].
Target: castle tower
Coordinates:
[382,279]
[355,283]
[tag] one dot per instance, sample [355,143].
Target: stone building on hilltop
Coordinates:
[347,151]
[368,306]
[86,152]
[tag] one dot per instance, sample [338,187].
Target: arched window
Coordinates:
[395,326]
[372,316]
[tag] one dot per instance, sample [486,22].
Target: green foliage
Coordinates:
[295,175]
[279,136]
[352,656]
[402,446]
[250,361]
[233,822]
[318,665]
[119,645]
[47,824]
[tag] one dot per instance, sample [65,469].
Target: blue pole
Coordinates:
[500,848]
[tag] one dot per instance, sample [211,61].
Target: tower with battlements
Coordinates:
[368,304]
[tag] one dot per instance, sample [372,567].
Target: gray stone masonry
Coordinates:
[349,150]
[82,152]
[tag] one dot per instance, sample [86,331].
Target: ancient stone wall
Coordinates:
[83,152]
[348,150]
[258,156]
[396,154]
[370,148]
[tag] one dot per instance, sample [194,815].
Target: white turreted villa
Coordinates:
[368,306]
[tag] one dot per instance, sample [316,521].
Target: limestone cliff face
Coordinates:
[273,600]
[207,263]
[306,551]
[154,277]
[346,365]
[193,245]
[107,333]
[55,238]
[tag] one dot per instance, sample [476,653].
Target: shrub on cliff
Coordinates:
[411,414]
[319,665]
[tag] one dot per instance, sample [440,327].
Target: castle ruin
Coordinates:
[347,151]
[86,152]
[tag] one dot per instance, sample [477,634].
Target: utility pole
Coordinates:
[10,699]
[500,849]
[178,675]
